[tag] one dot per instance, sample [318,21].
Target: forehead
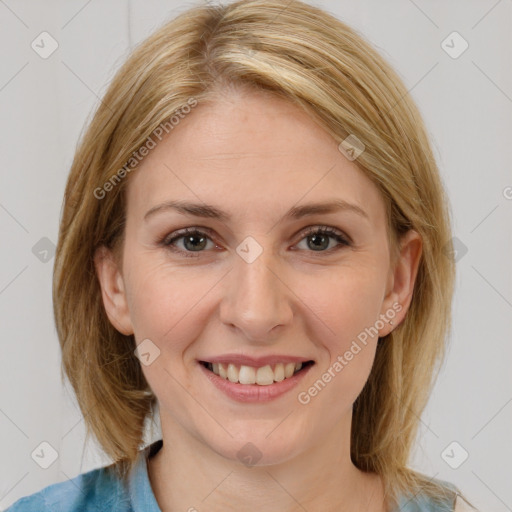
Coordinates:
[249,153]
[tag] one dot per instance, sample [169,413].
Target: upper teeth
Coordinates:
[263,376]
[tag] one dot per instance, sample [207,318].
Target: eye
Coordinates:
[195,240]
[319,238]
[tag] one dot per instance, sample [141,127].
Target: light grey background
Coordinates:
[467,105]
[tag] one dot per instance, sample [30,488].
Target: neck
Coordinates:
[188,475]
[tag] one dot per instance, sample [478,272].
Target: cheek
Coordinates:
[347,303]
[164,303]
[349,309]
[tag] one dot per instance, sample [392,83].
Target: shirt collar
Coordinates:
[141,493]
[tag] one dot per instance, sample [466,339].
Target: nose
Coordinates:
[256,299]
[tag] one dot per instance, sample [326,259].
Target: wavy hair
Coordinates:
[309,57]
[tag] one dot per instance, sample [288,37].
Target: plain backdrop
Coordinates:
[466,100]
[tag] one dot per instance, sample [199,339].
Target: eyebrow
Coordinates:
[297,212]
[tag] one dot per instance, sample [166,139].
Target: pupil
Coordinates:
[314,238]
[194,246]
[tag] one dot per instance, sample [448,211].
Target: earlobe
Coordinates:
[113,290]
[402,279]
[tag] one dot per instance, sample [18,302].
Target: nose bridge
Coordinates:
[255,301]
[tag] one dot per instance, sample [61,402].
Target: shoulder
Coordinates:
[461,505]
[95,490]
[450,500]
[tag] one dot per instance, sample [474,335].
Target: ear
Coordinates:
[400,285]
[113,290]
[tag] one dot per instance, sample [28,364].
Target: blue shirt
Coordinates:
[99,490]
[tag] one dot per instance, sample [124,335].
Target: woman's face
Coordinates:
[254,287]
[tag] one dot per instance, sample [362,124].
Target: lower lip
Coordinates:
[254,392]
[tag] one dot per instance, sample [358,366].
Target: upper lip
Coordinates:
[240,359]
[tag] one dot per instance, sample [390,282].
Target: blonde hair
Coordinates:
[307,56]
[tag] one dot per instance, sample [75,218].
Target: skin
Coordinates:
[255,156]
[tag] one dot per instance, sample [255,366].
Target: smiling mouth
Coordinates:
[263,376]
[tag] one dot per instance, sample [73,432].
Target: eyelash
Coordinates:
[168,241]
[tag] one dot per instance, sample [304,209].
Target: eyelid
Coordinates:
[179,233]
[328,230]
[343,240]
[304,232]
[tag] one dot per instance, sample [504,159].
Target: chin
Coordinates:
[258,449]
